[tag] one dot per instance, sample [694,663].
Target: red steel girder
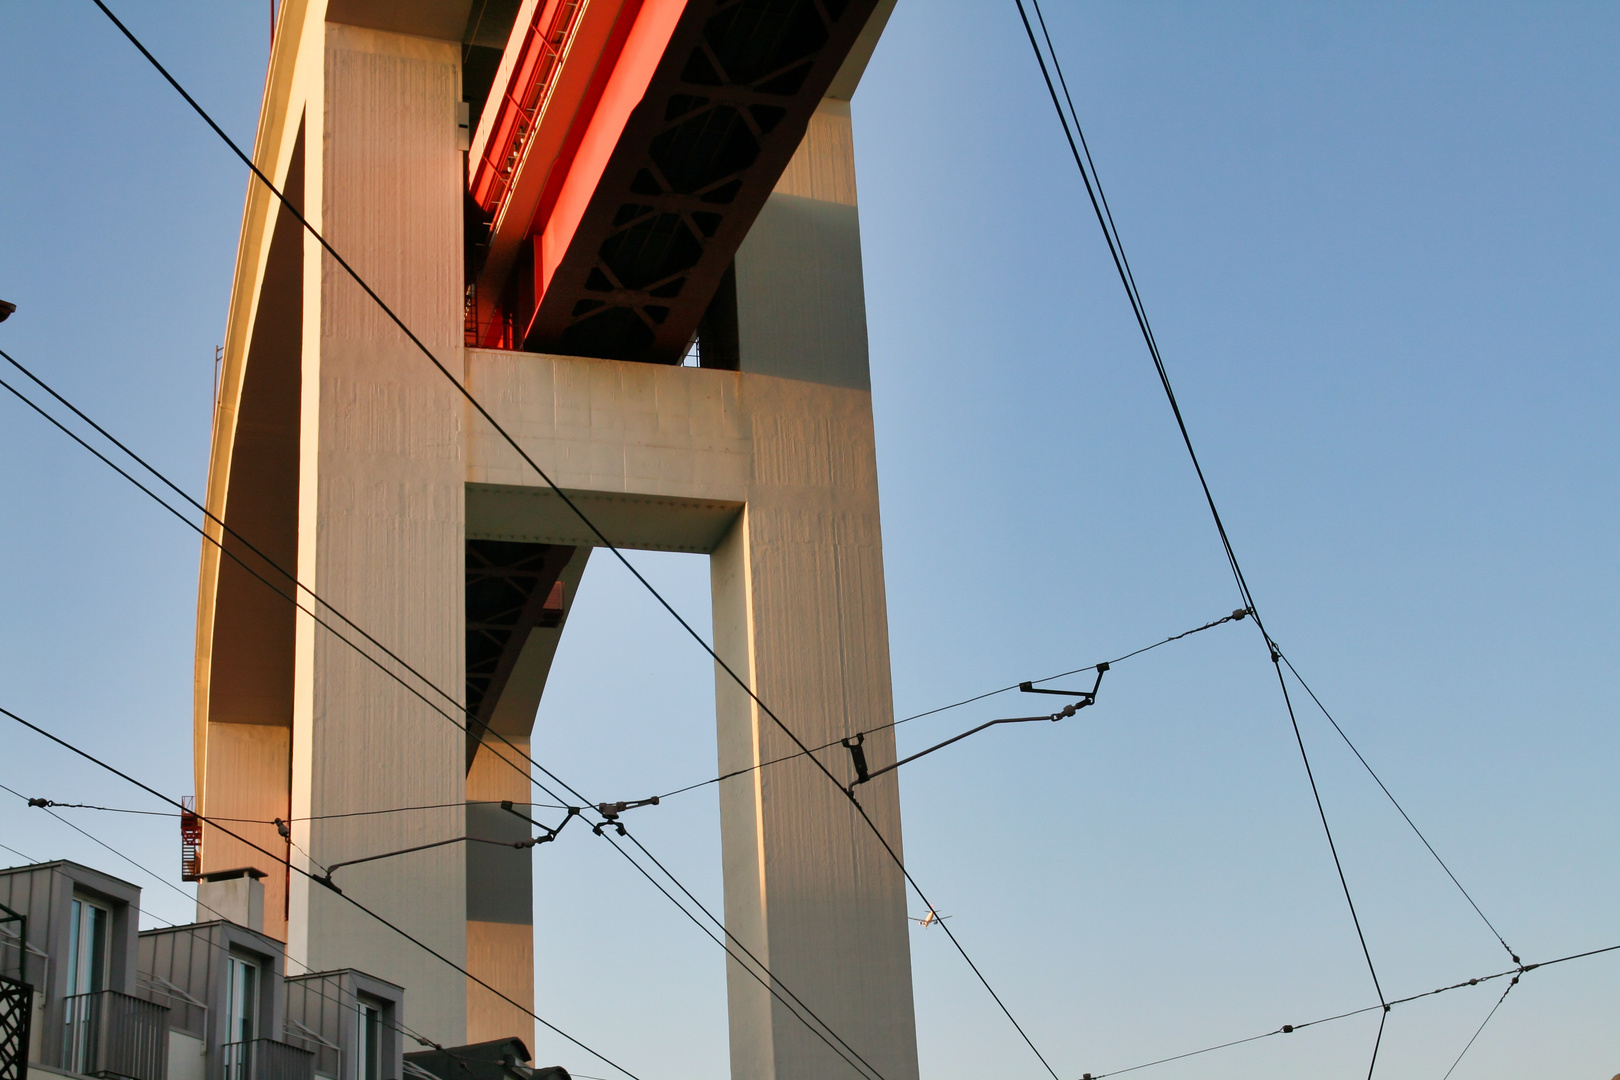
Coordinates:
[658,130]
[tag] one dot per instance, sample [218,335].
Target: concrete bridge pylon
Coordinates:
[339,451]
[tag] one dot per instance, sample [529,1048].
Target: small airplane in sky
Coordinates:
[929,919]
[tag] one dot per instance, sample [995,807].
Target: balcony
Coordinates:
[266,1059]
[110,1034]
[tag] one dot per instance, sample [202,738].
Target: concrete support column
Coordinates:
[500,893]
[771,470]
[799,613]
[380,512]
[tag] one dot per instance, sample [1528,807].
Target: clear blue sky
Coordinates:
[1379,246]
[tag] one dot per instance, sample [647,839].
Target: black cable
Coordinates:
[403,809]
[1482,1023]
[260,577]
[395,1024]
[227,530]
[1516,972]
[1332,847]
[327,871]
[549,482]
[243,564]
[1378,1041]
[313,817]
[1116,250]
[1087,698]
[545,476]
[1402,810]
[843,1049]
[193,931]
[1236,615]
[42,804]
[300,870]
[326,878]
[46,804]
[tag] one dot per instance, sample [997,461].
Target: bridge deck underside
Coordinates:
[625,254]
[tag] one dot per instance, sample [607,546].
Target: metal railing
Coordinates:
[186,1013]
[522,100]
[16,1015]
[266,1059]
[110,1034]
[327,1057]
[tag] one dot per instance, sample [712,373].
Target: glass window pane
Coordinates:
[100,931]
[241,1000]
[372,1037]
[73,979]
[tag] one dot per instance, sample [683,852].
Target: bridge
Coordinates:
[629,229]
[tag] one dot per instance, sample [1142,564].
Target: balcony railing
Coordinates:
[111,1034]
[16,1012]
[266,1059]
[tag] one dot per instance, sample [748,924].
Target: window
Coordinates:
[241,1000]
[87,948]
[368,1043]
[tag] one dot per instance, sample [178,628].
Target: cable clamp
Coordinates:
[857,757]
[612,810]
[43,804]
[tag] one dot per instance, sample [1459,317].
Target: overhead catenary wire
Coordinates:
[271,821]
[1516,973]
[423,1040]
[294,868]
[1081,153]
[326,879]
[572,506]
[1369,959]
[1399,808]
[194,931]
[1235,616]
[1475,1036]
[46,805]
[225,530]
[863,773]
[768,979]
[311,612]
[17,853]
[332,868]
[819,1027]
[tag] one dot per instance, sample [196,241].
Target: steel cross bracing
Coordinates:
[623,256]
[512,588]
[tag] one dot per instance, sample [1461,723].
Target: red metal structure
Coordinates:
[626,148]
[190,839]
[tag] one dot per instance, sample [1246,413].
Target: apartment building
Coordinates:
[85,993]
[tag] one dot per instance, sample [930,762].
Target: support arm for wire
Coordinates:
[858,754]
[549,835]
